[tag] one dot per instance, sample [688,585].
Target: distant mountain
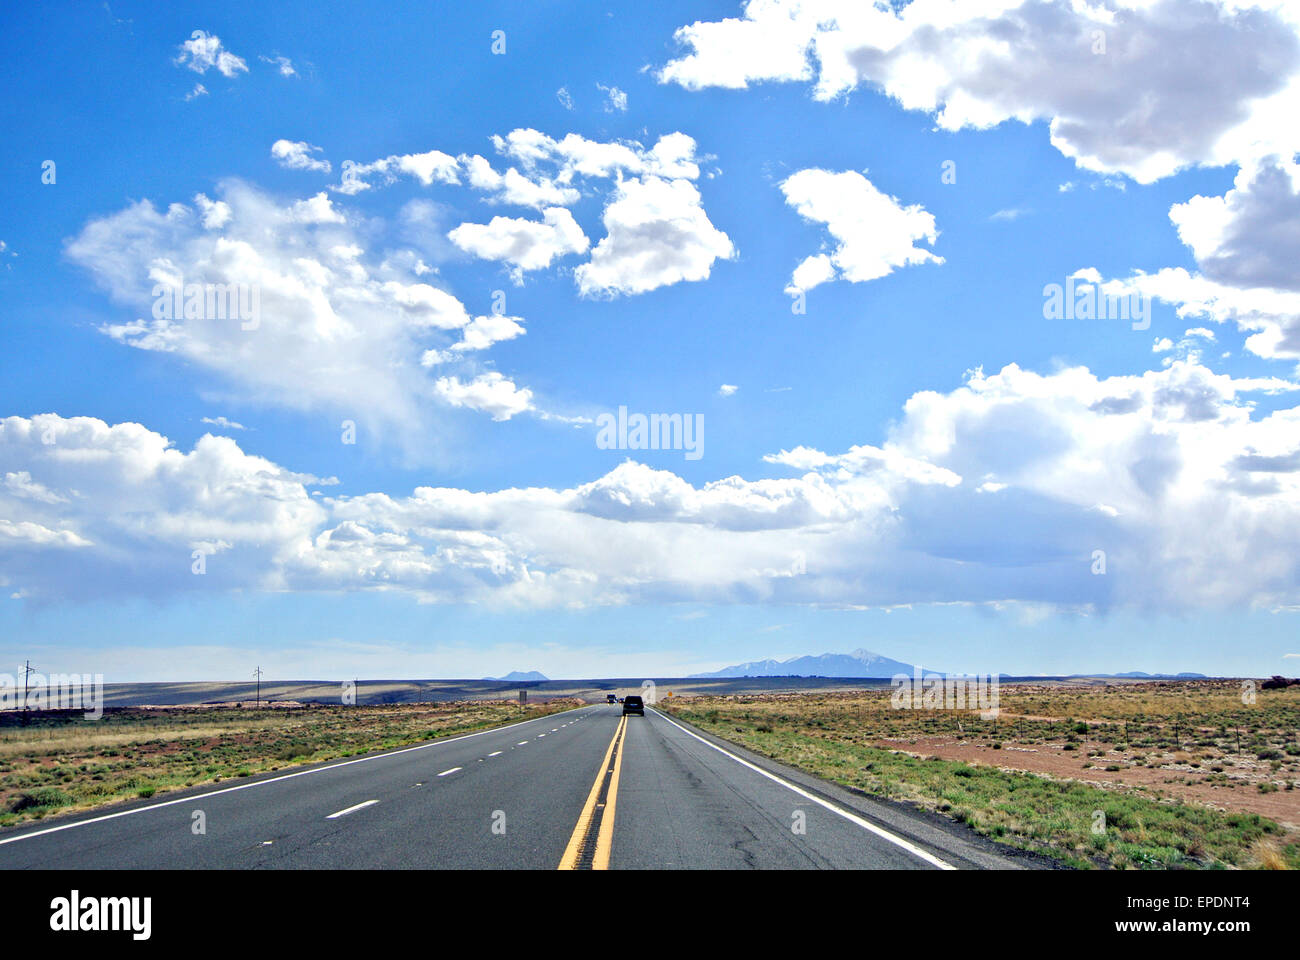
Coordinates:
[862,664]
[866,665]
[518,676]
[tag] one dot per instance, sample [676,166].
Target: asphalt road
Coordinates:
[575,790]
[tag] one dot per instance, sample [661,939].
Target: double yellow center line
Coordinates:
[593,836]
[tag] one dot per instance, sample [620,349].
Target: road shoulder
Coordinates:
[956,843]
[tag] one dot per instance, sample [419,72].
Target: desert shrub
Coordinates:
[40,797]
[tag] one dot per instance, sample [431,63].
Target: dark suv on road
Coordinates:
[633,704]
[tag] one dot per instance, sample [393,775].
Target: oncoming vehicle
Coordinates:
[632,704]
[610,698]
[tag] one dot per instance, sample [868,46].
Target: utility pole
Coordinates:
[27,673]
[258,673]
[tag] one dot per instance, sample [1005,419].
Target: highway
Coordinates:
[584,789]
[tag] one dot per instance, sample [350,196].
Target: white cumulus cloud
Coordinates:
[335,328]
[490,393]
[523,244]
[873,232]
[1247,249]
[995,492]
[1125,86]
[297,155]
[657,234]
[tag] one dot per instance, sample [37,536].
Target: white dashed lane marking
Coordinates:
[352,809]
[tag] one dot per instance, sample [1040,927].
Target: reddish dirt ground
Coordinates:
[1170,779]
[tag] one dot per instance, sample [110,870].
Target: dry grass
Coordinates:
[1267,856]
[55,740]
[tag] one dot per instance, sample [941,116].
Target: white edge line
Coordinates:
[258,783]
[851,817]
[352,809]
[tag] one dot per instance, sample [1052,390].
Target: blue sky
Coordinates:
[901,451]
